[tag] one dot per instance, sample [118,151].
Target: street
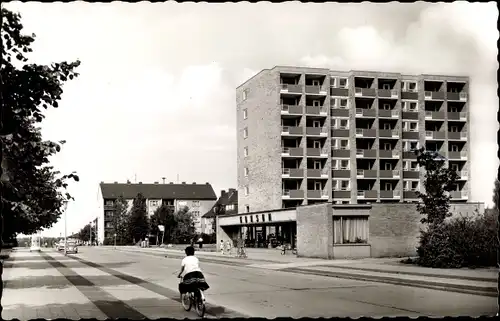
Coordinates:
[112,283]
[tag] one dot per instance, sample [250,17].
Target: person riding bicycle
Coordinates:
[192,277]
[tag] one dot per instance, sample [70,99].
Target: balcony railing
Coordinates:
[463,174]
[458,195]
[457,135]
[291,88]
[390,194]
[317,173]
[292,172]
[292,151]
[389,133]
[439,135]
[435,115]
[457,155]
[317,152]
[430,95]
[292,109]
[463,96]
[316,110]
[368,153]
[292,130]
[293,193]
[366,132]
[391,153]
[317,194]
[366,92]
[366,112]
[389,173]
[316,131]
[316,90]
[382,113]
[367,194]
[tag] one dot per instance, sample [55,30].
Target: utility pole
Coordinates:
[90,233]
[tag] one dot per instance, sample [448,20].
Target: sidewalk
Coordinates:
[386,270]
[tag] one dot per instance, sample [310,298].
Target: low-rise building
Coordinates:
[226,204]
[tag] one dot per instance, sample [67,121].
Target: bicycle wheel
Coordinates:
[200,305]
[186,301]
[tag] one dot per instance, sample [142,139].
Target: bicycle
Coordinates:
[197,298]
[241,253]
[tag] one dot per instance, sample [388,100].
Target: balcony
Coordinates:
[461,116]
[458,195]
[434,115]
[390,194]
[370,133]
[292,130]
[293,194]
[412,195]
[366,153]
[382,113]
[316,110]
[315,90]
[365,112]
[388,93]
[109,206]
[434,95]
[317,152]
[364,92]
[462,96]
[390,174]
[370,194]
[463,175]
[317,194]
[366,173]
[437,135]
[457,155]
[388,133]
[415,174]
[292,173]
[292,151]
[341,152]
[291,110]
[317,173]
[388,153]
[457,135]
[288,88]
[316,131]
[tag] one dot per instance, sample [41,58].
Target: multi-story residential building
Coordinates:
[226,204]
[199,198]
[309,135]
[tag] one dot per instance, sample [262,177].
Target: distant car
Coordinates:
[72,247]
[60,246]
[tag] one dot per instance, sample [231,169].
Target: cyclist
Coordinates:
[241,250]
[192,277]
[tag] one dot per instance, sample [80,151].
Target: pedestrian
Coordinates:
[222,246]
[200,242]
[228,247]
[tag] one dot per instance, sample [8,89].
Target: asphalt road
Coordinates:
[246,291]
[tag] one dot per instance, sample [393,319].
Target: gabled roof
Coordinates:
[159,191]
[231,197]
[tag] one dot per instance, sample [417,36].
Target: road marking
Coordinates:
[212,310]
[108,304]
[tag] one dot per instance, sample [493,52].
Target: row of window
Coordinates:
[345,185]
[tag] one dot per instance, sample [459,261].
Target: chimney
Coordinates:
[128,182]
[140,182]
[194,183]
[171,183]
[116,182]
[163,179]
[156,183]
[184,183]
[222,193]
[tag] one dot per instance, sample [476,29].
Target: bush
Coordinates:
[460,242]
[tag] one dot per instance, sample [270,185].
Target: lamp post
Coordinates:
[115,240]
[90,232]
[65,206]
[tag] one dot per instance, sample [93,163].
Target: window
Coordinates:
[342,82]
[414,185]
[245,94]
[387,126]
[245,171]
[245,151]
[317,186]
[343,103]
[247,209]
[453,129]
[454,148]
[453,109]
[406,165]
[317,164]
[453,90]
[196,214]
[344,123]
[344,184]
[387,146]
[414,166]
[350,229]
[344,164]
[316,103]
[388,166]
[412,106]
[245,132]
[230,207]
[316,144]
[109,202]
[247,191]
[196,203]
[316,123]
[333,82]
[344,144]
[386,86]
[387,187]
[335,163]
[245,114]
[333,103]
[386,106]
[335,186]
[410,86]
[315,82]
[455,167]
[413,126]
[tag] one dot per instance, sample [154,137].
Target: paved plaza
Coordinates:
[139,283]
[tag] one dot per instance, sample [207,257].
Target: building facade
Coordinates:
[226,204]
[199,198]
[309,135]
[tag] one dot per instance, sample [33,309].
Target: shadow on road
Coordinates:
[68,262]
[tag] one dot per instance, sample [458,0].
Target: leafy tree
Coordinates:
[120,220]
[438,182]
[32,191]
[84,233]
[496,194]
[138,223]
[164,215]
[184,226]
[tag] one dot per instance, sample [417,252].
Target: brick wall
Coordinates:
[315,231]
[395,228]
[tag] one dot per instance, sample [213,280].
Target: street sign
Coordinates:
[161,228]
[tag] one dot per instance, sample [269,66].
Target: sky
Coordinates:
[156,92]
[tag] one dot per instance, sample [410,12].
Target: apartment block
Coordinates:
[199,198]
[311,135]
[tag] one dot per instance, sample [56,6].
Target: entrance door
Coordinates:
[316,123]
[316,144]
[317,186]
[317,164]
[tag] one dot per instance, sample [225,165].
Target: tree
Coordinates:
[32,192]
[120,219]
[164,215]
[438,182]
[184,226]
[84,233]
[138,223]
[496,194]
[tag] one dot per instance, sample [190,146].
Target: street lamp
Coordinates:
[115,240]
[65,206]
[90,232]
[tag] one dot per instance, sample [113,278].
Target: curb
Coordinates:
[467,289]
